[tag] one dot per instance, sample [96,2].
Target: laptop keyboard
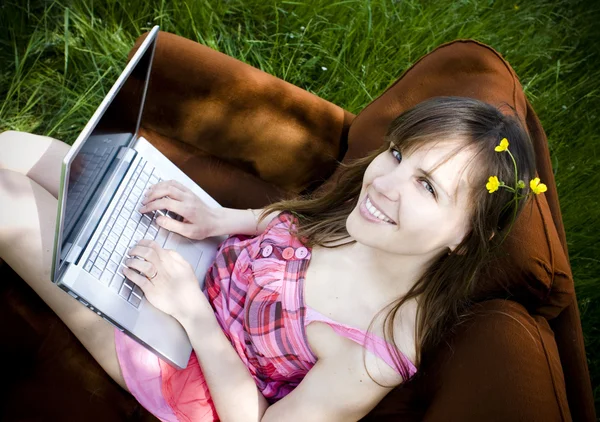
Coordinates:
[91,163]
[124,229]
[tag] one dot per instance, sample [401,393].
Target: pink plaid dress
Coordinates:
[256,287]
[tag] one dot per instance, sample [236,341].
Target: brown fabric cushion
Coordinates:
[502,364]
[37,370]
[47,374]
[254,121]
[470,69]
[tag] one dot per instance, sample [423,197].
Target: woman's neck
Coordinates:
[388,275]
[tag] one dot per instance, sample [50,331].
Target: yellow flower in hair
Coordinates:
[503,145]
[536,186]
[492,184]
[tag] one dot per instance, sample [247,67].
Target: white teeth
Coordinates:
[375,212]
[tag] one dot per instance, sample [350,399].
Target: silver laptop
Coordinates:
[103,179]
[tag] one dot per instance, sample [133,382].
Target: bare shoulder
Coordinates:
[344,385]
[328,345]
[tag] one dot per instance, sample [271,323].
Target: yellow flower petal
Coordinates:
[503,146]
[492,184]
[537,187]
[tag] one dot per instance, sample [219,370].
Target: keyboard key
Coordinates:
[96,272]
[100,263]
[122,222]
[129,283]
[93,255]
[116,257]
[125,291]
[113,237]
[134,300]
[149,235]
[121,248]
[125,213]
[137,236]
[106,277]
[102,239]
[136,216]
[146,220]
[131,224]
[109,246]
[88,265]
[143,179]
[137,291]
[128,233]
[112,267]
[104,255]
[153,230]
[120,269]
[117,282]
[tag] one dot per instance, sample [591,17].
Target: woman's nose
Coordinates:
[388,185]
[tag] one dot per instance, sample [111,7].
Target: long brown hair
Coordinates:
[444,290]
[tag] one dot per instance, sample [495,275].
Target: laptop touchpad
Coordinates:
[190,252]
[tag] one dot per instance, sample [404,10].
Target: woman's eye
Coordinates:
[396,154]
[429,187]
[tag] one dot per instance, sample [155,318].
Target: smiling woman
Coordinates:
[416,211]
[295,328]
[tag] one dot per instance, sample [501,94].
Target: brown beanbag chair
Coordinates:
[249,139]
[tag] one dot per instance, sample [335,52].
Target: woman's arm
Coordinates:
[336,389]
[235,221]
[232,388]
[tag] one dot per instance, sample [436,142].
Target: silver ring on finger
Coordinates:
[155,274]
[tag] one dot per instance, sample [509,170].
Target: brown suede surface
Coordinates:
[261,124]
[231,126]
[508,359]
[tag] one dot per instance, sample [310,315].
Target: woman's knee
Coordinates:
[38,157]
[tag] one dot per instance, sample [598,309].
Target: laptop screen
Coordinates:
[94,162]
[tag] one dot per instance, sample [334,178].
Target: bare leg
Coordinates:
[37,157]
[27,224]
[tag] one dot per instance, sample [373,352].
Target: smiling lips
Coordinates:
[376,212]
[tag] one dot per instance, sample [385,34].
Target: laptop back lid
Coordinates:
[91,160]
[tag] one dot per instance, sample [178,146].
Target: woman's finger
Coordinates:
[179,186]
[147,249]
[138,279]
[146,268]
[174,226]
[162,189]
[177,207]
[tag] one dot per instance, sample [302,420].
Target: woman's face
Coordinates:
[417,214]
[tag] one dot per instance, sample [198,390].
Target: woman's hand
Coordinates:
[199,220]
[167,280]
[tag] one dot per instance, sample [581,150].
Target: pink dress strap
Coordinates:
[375,344]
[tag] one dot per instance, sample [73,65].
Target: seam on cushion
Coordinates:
[550,248]
[512,73]
[549,270]
[552,377]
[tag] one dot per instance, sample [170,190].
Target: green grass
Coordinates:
[60,58]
